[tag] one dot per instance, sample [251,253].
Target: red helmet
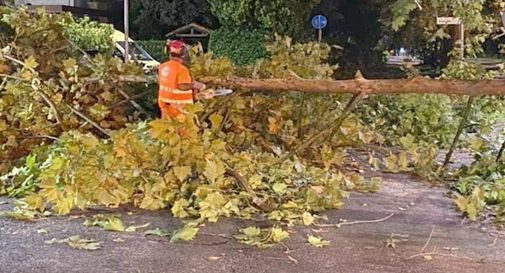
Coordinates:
[176,48]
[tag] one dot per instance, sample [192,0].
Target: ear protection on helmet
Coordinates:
[176,48]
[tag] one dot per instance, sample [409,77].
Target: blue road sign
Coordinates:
[319,22]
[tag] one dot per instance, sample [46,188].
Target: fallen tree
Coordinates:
[360,85]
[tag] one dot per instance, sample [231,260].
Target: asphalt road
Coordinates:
[417,207]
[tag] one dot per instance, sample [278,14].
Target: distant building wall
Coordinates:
[46,2]
[106,11]
[101,5]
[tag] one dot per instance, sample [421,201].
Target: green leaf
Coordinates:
[317,241]
[109,223]
[390,163]
[77,243]
[212,207]
[279,235]
[70,65]
[216,120]
[407,141]
[182,172]
[114,224]
[251,231]
[391,241]
[83,244]
[403,161]
[187,233]
[157,232]
[31,63]
[214,170]
[307,219]
[179,208]
[21,214]
[279,188]
[476,144]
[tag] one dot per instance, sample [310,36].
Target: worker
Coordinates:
[176,89]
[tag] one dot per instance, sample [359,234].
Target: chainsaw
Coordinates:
[210,93]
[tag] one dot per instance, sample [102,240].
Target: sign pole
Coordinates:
[126,32]
[319,22]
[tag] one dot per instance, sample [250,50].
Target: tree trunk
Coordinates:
[359,85]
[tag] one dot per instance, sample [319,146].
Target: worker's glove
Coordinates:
[198,86]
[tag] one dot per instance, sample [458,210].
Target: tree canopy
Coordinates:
[418,28]
[152,19]
[282,16]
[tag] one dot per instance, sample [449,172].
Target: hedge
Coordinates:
[241,46]
[90,35]
[154,48]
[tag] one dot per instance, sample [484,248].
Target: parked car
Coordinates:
[402,57]
[136,52]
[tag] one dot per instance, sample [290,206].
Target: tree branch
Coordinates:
[500,152]
[347,110]
[417,85]
[462,124]
[136,105]
[130,99]
[94,124]
[355,222]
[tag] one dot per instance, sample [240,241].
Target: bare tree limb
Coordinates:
[94,124]
[462,124]
[350,106]
[136,105]
[53,108]
[500,153]
[417,85]
[356,222]
[130,99]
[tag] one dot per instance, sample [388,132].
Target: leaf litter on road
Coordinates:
[317,242]
[77,242]
[112,223]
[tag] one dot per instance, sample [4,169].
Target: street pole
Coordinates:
[126,32]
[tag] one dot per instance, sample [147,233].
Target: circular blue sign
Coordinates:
[319,22]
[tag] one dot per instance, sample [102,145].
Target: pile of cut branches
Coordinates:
[49,87]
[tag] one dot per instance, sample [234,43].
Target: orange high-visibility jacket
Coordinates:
[170,75]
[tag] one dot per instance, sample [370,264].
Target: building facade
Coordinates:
[103,11]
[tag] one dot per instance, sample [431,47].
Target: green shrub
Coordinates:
[90,35]
[154,48]
[241,46]
[5,30]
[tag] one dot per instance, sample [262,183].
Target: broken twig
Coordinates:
[442,254]
[356,222]
[429,239]
[94,124]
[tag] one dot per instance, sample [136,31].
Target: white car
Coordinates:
[402,57]
[136,52]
